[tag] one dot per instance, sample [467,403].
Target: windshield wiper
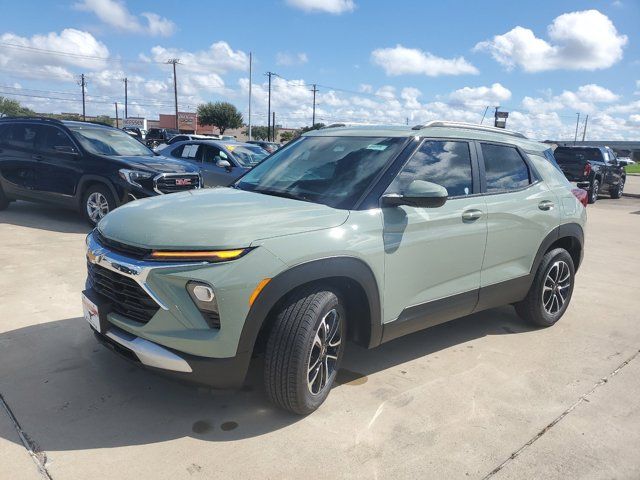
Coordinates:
[279,193]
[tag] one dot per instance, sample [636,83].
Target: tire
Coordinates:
[309,331]
[542,306]
[594,191]
[102,202]
[616,192]
[4,201]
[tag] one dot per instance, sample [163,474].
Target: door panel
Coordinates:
[214,175]
[58,171]
[17,159]
[521,212]
[434,253]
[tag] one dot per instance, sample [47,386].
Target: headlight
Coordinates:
[134,176]
[212,256]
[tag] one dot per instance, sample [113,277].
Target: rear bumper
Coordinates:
[220,373]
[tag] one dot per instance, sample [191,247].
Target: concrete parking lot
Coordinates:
[484,396]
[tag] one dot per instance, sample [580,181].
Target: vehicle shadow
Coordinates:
[44,217]
[70,393]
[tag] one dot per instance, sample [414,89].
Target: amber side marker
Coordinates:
[263,283]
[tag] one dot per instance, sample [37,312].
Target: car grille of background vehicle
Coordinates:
[176,183]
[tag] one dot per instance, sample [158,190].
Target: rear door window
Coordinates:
[20,136]
[504,167]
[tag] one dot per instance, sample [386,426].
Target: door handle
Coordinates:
[546,205]
[37,156]
[471,215]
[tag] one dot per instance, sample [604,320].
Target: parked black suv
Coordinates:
[156,136]
[595,169]
[85,166]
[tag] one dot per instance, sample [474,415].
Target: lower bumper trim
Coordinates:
[149,353]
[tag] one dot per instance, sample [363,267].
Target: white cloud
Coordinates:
[116,14]
[584,99]
[400,60]
[585,40]
[77,49]
[219,57]
[335,7]
[289,59]
[493,95]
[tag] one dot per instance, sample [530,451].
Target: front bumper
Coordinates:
[211,372]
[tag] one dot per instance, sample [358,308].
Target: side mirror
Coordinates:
[66,149]
[419,194]
[224,164]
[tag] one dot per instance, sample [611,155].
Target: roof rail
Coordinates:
[32,118]
[470,126]
[333,125]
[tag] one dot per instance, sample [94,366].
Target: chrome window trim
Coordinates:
[137,270]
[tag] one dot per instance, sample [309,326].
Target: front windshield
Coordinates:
[109,141]
[247,156]
[334,171]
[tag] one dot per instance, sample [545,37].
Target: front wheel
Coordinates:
[97,201]
[304,350]
[616,192]
[551,290]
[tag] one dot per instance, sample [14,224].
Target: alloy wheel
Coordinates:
[97,206]
[556,287]
[323,357]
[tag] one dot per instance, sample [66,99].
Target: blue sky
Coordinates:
[375,61]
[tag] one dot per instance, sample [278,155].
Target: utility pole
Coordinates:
[116,104]
[83,84]
[125,97]
[174,61]
[575,138]
[269,74]
[584,132]
[250,82]
[313,120]
[273,139]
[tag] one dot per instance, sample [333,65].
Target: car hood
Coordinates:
[158,163]
[219,218]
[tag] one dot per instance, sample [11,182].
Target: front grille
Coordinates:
[177,183]
[127,297]
[121,248]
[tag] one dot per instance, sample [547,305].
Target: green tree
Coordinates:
[259,132]
[289,135]
[106,119]
[221,115]
[12,108]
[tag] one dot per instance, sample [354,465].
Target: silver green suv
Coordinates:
[348,233]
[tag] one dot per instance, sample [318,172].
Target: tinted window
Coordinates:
[19,135]
[445,163]
[52,138]
[504,168]
[580,155]
[213,154]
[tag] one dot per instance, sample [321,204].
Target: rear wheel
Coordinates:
[304,350]
[97,202]
[595,190]
[616,191]
[551,290]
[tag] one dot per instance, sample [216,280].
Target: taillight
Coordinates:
[581,195]
[587,170]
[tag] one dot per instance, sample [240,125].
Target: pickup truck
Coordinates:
[595,169]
